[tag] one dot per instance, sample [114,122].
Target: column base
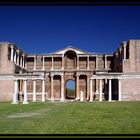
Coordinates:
[25,103]
[62,100]
[43,99]
[91,100]
[14,103]
[77,98]
[52,99]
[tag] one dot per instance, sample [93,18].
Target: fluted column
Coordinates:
[97,85]
[100,94]
[20,61]
[52,95]
[15,95]
[88,62]
[91,95]
[17,57]
[25,101]
[110,90]
[62,88]
[88,86]
[52,63]
[124,47]
[34,90]
[23,61]
[12,53]
[43,90]
[77,87]
[34,62]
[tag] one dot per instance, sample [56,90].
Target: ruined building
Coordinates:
[42,77]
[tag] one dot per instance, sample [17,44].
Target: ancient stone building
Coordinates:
[42,77]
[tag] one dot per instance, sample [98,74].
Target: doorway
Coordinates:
[70,89]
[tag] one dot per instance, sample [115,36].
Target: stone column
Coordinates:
[15,95]
[62,88]
[34,90]
[105,62]
[43,68]
[91,95]
[88,62]
[88,86]
[25,101]
[77,87]
[17,57]
[20,61]
[34,62]
[52,95]
[100,94]
[110,91]
[96,62]
[97,85]
[23,61]
[81,96]
[62,63]
[119,89]
[43,90]
[77,62]
[52,63]
[124,49]
[12,53]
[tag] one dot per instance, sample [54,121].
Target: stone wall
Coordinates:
[6,66]
[6,90]
[131,89]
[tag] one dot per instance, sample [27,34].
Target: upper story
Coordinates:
[125,59]
[70,59]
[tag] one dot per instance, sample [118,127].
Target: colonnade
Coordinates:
[101,89]
[62,61]
[25,99]
[89,89]
[17,57]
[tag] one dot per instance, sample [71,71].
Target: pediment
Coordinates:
[69,48]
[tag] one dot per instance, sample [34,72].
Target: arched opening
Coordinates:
[70,89]
[70,60]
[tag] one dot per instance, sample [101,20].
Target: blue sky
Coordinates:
[45,29]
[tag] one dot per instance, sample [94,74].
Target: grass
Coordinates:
[70,118]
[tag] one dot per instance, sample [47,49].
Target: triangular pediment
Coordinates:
[70,48]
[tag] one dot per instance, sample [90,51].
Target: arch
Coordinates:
[70,89]
[70,60]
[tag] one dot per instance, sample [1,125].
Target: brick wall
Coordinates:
[131,89]
[6,90]
[6,66]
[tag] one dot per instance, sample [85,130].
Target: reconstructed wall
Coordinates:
[6,66]
[131,89]
[6,90]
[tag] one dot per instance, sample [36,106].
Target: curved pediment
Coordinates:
[70,48]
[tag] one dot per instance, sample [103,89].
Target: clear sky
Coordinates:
[45,29]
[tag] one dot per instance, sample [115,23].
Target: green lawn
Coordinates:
[70,118]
